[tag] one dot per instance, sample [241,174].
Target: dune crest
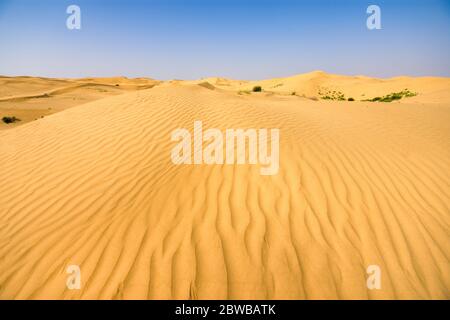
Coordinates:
[429,89]
[32,98]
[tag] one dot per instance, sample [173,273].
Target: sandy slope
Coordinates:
[31,98]
[359,184]
[429,89]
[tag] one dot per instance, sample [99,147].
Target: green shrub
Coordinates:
[257,89]
[394,96]
[9,120]
[332,95]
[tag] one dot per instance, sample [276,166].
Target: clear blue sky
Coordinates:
[231,38]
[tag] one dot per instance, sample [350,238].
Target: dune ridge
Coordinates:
[31,98]
[358,185]
[429,89]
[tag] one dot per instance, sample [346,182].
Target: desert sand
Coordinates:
[360,183]
[31,98]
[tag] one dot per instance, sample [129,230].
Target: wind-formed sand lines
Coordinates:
[357,185]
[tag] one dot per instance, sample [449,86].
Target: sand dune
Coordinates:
[359,184]
[31,98]
[429,89]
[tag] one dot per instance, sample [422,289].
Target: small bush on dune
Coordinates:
[394,96]
[257,89]
[351,99]
[331,95]
[9,120]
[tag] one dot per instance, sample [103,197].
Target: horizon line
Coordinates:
[228,78]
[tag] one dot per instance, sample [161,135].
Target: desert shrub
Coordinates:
[8,120]
[351,99]
[394,96]
[293,93]
[331,95]
[257,89]
[409,94]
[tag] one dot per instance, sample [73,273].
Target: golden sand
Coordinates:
[359,184]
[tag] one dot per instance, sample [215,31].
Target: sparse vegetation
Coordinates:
[393,96]
[293,93]
[243,92]
[326,94]
[257,89]
[9,120]
[331,95]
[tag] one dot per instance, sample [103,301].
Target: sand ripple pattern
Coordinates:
[359,184]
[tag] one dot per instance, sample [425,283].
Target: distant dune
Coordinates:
[360,183]
[31,98]
[429,89]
